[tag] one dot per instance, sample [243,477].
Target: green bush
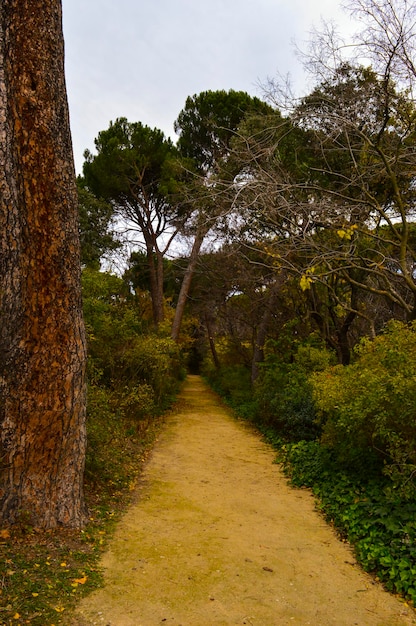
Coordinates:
[121,351]
[232,383]
[155,361]
[106,430]
[137,402]
[368,409]
[133,376]
[284,393]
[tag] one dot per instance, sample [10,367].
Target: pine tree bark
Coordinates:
[42,341]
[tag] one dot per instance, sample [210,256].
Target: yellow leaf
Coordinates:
[81,581]
[59,609]
[16,616]
[35,595]
[347,232]
[63,564]
[305,282]
[4,534]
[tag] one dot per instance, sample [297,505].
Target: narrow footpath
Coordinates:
[217,537]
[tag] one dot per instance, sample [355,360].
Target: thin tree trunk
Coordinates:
[186,285]
[343,345]
[42,342]
[160,296]
[260,340]
[261,336]
[211,342]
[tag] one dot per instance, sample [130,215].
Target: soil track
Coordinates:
[217,537]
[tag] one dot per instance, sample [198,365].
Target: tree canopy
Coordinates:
[322,195]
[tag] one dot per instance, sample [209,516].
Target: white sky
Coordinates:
[141,59]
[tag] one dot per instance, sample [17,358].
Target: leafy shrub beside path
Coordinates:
[368,409]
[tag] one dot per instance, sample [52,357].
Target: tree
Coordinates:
[208,122]
[364,133]
[95,219]
[136,169]
[364,125]
[339,211]
[42,342]
[206,127]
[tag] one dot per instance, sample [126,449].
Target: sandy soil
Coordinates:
[218,537]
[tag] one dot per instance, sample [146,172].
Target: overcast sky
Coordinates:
[141,59]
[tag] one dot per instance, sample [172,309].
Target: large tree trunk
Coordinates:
[42,343]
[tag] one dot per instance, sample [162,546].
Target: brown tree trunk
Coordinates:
[42,342]
[211,341]
[159,295]
[186,285]
[156,279]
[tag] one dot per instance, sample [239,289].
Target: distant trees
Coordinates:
[136,170]
[207,126]
[42,341]
[162,190]
[319,195]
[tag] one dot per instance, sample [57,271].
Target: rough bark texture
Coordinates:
[42,342]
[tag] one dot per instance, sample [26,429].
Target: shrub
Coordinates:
[137,402]
[121,351]
[133,376]
[154,361]
[284,393]
[368,409]
[106,430]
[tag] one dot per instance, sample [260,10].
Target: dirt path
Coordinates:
[218,537]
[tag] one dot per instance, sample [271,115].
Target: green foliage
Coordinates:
[233,384]
[116,421]
[155,361]
[368,408]
[208,122]
[95,220]
[121,351]
[284,393]
[133,375]
[137,275]
[132,159]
